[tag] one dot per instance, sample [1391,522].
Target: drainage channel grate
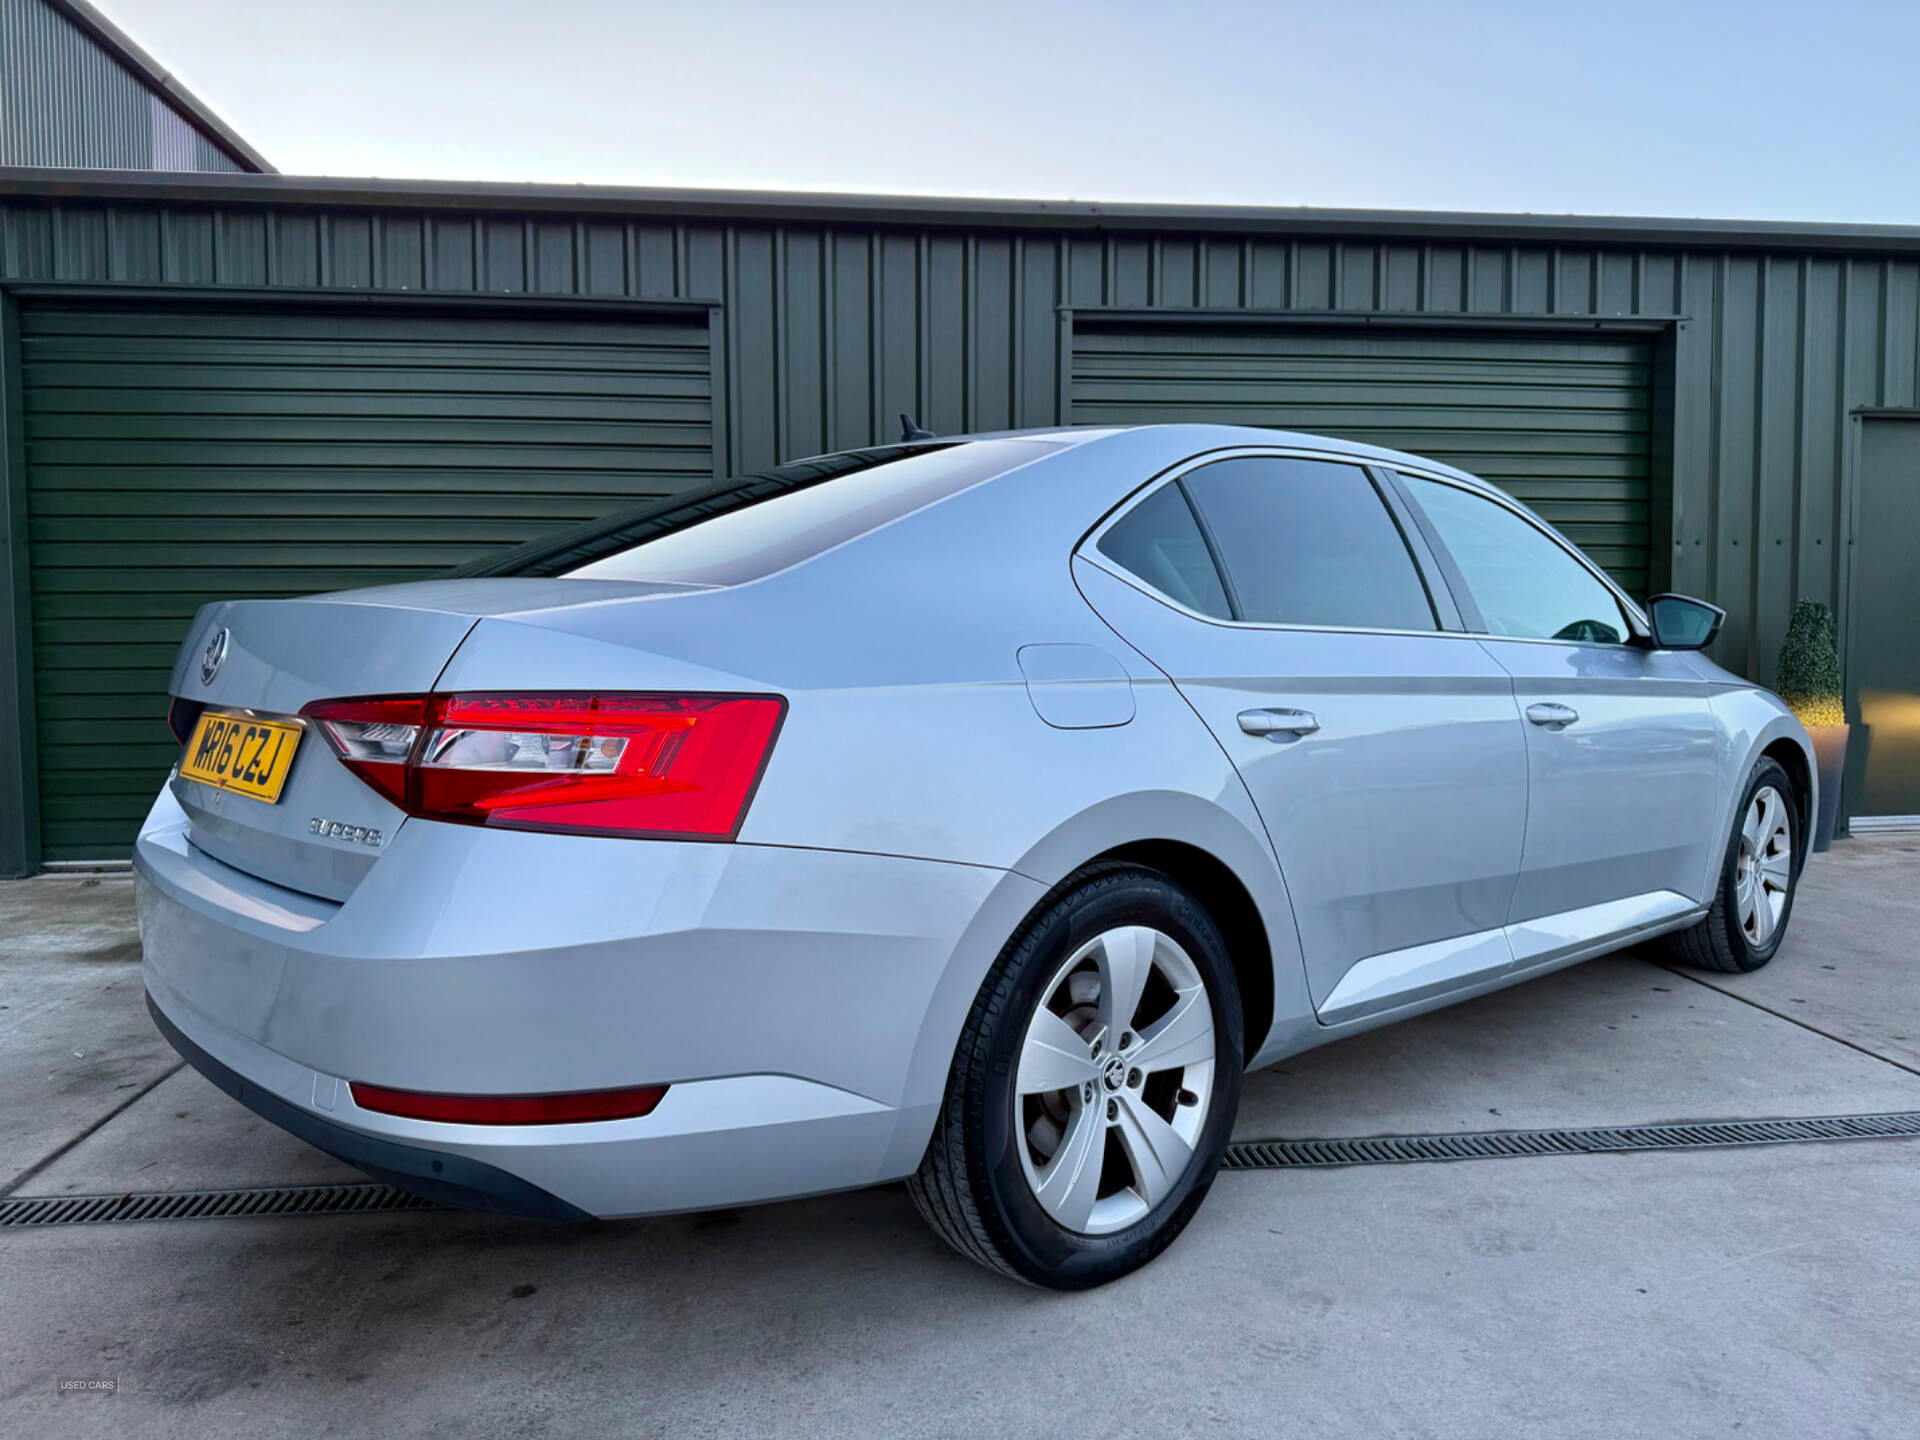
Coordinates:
[358,1199]
[1511,1144]
[369,1198]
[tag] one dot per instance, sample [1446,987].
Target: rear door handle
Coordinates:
[1552,714]
[1278,722]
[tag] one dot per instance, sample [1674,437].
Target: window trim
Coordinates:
[1639,630]
[1090,544]
[1228,590]
[1433,582]
[1450,577]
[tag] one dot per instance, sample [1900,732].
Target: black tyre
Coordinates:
[1762,869]
[1094,1087]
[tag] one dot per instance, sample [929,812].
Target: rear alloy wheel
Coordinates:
[1094,1087]
[1748,920]
[1109,1114]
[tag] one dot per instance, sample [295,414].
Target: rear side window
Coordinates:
[1160,541]
[1309,542]
[1525,585]
[756,524]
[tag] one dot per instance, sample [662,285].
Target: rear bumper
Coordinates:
[437,1174]
[801,1005]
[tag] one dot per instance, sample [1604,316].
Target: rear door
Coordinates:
[1384,752]
[1621,742]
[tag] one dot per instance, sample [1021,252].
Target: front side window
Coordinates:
[1526,586]
[1308,542]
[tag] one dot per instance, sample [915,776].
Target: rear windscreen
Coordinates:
[751,526]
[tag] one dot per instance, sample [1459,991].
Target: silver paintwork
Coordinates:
[1418,736]
[979,704]
[1076,687]
[1617,798]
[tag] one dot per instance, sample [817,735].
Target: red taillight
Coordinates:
[657,765]
[375,737]
[511,1109]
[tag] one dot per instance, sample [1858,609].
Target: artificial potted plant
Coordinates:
[1809,681]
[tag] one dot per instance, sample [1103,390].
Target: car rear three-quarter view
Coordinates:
[972,812]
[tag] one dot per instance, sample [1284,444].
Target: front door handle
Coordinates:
[1278,722]
[1556,715]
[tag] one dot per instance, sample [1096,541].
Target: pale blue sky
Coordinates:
[1760,110]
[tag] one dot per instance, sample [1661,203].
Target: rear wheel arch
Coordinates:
[1187,836]
[1214,884]
[1220,854]
[985,1183]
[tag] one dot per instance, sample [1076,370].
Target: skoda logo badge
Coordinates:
[216,653]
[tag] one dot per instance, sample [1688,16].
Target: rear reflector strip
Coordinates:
[569,1109]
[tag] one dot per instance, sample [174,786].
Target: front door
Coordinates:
[1385,755]
[1622,757]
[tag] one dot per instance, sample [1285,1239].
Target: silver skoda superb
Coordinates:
[974,812]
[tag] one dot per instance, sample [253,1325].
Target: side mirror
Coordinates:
[1682,623]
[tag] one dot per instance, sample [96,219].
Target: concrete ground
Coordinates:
[1770,1291]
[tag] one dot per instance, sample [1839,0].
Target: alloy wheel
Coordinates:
[1763,874]
[1115,1079]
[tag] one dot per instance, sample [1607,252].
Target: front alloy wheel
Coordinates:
[1763,872]
[1094,1087]
[1754,898]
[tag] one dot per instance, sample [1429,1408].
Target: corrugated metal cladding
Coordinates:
[176,456]
[1562,424]
[1684,410]
[66,101]
[178,146]
[832,330]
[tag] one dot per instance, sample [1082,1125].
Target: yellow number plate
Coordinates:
[241,754]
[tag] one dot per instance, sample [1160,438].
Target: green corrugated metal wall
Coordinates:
[828,330]
[1562,424]
[176,457]
[66,101]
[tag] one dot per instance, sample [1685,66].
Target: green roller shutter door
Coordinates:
[176,457]
[1561,424]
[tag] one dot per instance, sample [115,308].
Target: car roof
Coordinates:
[1202,437]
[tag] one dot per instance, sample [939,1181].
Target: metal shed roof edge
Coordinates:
[120,45]
[206,187]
